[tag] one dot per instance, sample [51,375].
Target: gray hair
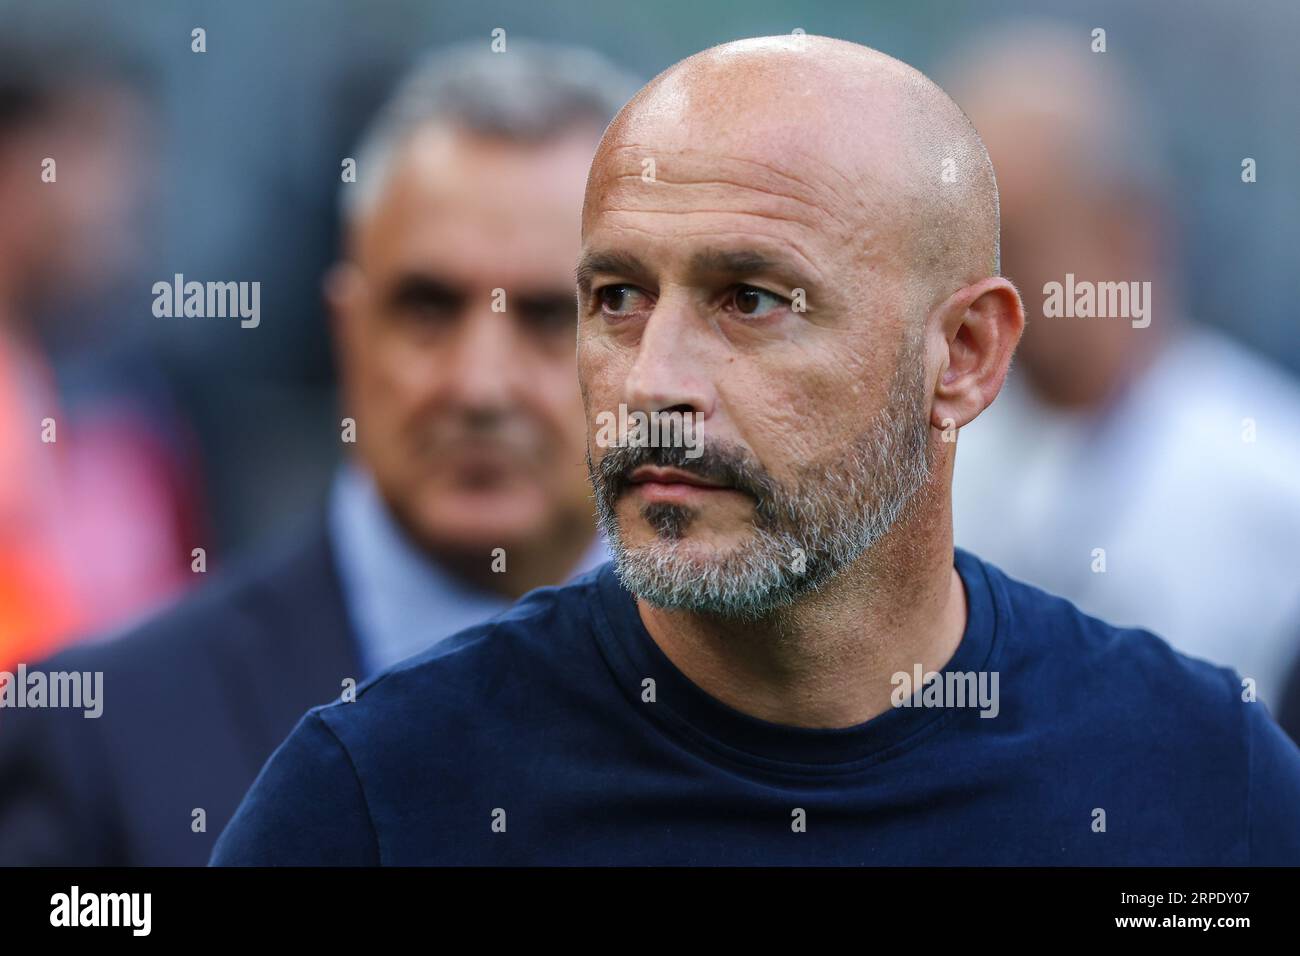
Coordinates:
[531,93]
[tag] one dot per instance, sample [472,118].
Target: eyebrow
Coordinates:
[615,263]
[419,287]
[737,262]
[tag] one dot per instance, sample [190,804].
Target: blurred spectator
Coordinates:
[1170,447]
[454,324]
[98,499]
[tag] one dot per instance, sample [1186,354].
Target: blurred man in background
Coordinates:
[1148,472]
[98,489]
[454,327]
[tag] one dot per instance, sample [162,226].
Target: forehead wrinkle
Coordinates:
[785,242]
[699,210]
[661,181]
[707,156]
[828,198]
[781,210]
[780,239]
[861,244]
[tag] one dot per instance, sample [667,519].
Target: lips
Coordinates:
[672,486]
[649,474]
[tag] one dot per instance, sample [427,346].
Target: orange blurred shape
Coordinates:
[37,610]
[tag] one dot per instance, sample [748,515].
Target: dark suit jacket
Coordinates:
[1289,713]
[194,702]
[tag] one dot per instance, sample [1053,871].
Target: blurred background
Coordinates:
[176,434]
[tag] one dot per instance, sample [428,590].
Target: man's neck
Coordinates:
[827,661]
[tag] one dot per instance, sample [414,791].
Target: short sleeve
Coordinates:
[306,808]
[1274,802]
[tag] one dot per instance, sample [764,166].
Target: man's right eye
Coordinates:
[621,300]
[424,302]
[428,313]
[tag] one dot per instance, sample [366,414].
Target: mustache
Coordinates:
[722,463]
[509,433]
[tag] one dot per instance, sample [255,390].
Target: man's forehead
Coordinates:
[842,161]
[834,147]
[787,191]
[424,188]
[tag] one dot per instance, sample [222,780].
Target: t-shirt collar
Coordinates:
[683,709]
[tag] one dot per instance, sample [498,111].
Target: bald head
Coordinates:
[873,151]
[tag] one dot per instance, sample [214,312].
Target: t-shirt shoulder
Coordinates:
[1122,672]
[1177,721]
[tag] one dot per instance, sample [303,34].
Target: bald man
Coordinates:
[790,243]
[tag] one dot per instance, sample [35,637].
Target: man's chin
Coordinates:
[701,547]
[691,575]
[477,527]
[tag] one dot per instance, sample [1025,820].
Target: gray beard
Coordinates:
[836,511]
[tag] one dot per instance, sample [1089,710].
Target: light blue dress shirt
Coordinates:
[399,600]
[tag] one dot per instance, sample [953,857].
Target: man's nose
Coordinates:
[485,361]
[668,374]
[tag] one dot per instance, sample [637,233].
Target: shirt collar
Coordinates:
[683,708]
[399,600]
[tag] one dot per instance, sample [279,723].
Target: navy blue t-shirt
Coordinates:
[536,738]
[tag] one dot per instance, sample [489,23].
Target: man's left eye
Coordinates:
[754,302]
